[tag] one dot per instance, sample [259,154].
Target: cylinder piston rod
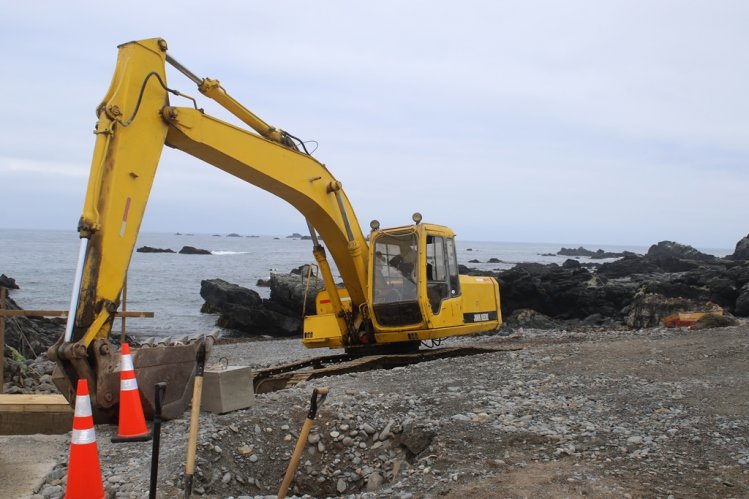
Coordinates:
[76,289]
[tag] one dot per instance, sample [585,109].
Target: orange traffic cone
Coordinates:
[132,427]
[84,473]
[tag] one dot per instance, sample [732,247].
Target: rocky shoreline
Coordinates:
[635,291]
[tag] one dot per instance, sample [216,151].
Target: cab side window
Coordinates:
[437,272]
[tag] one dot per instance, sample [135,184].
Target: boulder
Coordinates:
[742,302]
[742,250]
[244,310]
[670,249]
[218,293]
[709,321]
[189,250]
[30,336]
[8,282]
[529,319]
[149,249]
[288,290]
[649,309]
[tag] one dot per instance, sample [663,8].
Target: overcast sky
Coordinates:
[541,121]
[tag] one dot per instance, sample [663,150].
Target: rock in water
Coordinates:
[244,310]
[189,250]
[8,282]
[149,249]
[288,291]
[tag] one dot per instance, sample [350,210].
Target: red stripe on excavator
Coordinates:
[124,217]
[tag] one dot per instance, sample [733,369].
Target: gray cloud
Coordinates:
[602,122]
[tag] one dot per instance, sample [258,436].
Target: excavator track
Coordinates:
[289,375]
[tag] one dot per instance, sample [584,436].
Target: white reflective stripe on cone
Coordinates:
[128,384]
[82,406]
[127,363]
[84,436]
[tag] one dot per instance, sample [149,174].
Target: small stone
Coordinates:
[374,482]
[344,427]
[348,441]
[368,429]
[341,486]
[116,479]
[234,428]
[313,438]
[245,450]
[217,449]
[285,427]
[253,458]
[226,478]
[287,438]
[634,439]
[334,434]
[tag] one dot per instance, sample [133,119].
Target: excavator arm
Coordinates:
[135,121]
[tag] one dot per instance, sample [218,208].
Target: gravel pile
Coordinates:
[591,412]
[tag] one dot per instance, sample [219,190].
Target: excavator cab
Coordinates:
[415,280]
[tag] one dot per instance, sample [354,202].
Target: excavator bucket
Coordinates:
[167,360]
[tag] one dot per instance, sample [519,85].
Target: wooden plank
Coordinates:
[34,402]
[64,313]
[26,414]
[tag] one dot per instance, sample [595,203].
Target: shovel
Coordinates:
[314,403]
[192,442]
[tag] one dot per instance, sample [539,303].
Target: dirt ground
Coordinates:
[601,413]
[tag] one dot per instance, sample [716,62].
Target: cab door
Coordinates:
[442,283]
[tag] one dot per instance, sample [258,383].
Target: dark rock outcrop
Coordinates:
[233,234]
[742,250]
[30,336]
[670,249]
[649,309]
[598,254]
[8,282]
[189,250]
[637,290]
[149,249]
[244,310]
[742,302]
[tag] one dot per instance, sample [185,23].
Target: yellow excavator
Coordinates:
[401,286]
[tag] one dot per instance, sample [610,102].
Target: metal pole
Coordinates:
[76,289]
[3,294]
[124,309]
[160,391]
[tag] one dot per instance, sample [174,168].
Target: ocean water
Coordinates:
[43,264]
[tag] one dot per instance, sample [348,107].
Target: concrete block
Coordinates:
[227,389]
